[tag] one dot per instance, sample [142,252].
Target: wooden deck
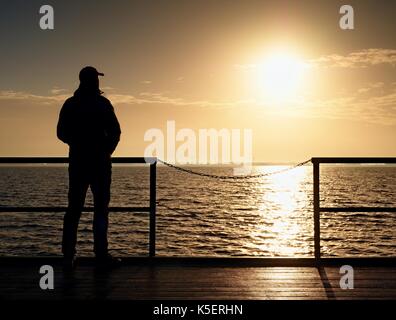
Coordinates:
[204,280]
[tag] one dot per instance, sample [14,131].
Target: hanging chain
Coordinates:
[237,177]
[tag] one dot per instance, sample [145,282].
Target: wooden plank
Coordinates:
[206,282]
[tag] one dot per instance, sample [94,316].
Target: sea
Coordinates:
[271,216]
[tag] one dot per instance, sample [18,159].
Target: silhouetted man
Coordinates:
[88,124]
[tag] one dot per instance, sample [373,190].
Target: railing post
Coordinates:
[316,208]
[153,186]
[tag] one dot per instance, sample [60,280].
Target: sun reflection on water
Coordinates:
[281,202]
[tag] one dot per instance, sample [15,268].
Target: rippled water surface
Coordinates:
[271,216]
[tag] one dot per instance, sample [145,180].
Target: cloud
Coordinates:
[365,104]
[107,88]
[375,107]
[55,97]
[57,91]
[162,98]
[358,59]
[371,86]
[146,82]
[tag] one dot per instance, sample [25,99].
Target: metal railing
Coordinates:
[152,161]
[317,209]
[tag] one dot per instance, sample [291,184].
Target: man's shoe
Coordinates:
[69,263]
[107,262]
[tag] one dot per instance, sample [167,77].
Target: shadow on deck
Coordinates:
[201,278]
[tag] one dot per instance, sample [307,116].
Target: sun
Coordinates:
[280,76]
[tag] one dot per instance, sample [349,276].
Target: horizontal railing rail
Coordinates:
[62,209]
[358,209]
[317,209]
[43,160]
[152,161]
[354,160]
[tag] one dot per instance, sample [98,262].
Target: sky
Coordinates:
[284,69]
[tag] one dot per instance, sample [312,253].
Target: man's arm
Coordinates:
[113,129]
[63,127]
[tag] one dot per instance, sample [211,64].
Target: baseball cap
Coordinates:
[89,72]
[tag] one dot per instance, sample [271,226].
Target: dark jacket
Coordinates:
[88,124]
